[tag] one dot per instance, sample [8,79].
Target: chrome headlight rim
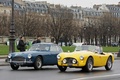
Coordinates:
[58,56]
[74,61]
[29,56]
[64,61]
[9,56]
[81,57]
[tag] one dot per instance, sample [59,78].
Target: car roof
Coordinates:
[46,43]
[77,44]
[90,45]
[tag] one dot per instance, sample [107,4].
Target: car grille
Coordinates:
[69,60]
[18,58]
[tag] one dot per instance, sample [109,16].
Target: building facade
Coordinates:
[83,17]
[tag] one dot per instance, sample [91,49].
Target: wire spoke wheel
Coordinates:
[62,68]
[38,63]
[89,65]
[109,64]
[14,66]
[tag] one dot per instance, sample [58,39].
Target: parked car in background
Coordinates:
[86,57]
[40,54]
[114,44]
[77,44]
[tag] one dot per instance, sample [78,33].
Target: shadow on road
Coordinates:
[83,72]
[32,69]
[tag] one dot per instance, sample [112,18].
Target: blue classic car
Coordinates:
[38,55]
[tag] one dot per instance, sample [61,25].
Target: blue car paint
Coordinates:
[49,57]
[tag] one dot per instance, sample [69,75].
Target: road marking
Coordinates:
[97,77]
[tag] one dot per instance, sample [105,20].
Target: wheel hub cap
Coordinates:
[39,63]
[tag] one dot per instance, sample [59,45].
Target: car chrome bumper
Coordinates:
[78,64]
[20,62]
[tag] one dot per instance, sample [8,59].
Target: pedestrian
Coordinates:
[38,40]
[21,44]
[34,41]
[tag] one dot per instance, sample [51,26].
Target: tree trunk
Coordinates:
[56,41]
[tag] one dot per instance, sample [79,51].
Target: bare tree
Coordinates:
[29,24]
[4,25]
[60,23]
[106,28]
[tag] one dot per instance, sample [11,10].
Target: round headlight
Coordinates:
[58,57]
[9,56]
[74,61]
[81,57]
[64,61]
[29,56]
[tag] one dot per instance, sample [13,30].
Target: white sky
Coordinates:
[82,3]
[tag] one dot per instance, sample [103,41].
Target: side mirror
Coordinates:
[102,53]
[96,52]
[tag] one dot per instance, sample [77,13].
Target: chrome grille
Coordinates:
[69,60]
[18,58]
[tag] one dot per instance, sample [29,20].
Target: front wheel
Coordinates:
[14,67]
[108,65]
[62,68]
[89,65]
[38,63]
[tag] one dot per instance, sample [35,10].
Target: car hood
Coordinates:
[25,54]
[76,54]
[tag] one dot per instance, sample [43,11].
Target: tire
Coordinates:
[109,64]
[89,65]
[14,67]
[62,68]
[38,63]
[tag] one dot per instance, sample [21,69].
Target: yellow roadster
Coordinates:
[86,57]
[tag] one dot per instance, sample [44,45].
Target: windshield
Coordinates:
[89,48]
[40,47]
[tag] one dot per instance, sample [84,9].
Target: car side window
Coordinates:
[99,50]
[59,48]
[53,48]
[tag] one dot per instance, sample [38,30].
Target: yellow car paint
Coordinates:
[98,59]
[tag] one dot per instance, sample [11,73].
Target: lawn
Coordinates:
[105,49]
[111,49]
[4,49]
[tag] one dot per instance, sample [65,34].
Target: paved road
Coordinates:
[3,63]
[52,73]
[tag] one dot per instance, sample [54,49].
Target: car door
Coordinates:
[104,58]
[54,52]
[97,59]
[100,59]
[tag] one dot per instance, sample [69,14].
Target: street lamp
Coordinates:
[84,33]
[12,31]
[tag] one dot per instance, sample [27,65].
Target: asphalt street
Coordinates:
[52,73]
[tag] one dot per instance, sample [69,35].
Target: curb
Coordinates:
[3,57]
[5,64]
[117,58]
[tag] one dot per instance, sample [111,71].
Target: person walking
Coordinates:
[38,40]
[22,44]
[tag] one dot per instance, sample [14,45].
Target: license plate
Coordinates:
[69,64]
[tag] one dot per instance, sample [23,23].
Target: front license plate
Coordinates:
[19,64]
[69,64]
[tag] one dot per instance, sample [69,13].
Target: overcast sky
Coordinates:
[82,3]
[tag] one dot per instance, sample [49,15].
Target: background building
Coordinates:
[99,24]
